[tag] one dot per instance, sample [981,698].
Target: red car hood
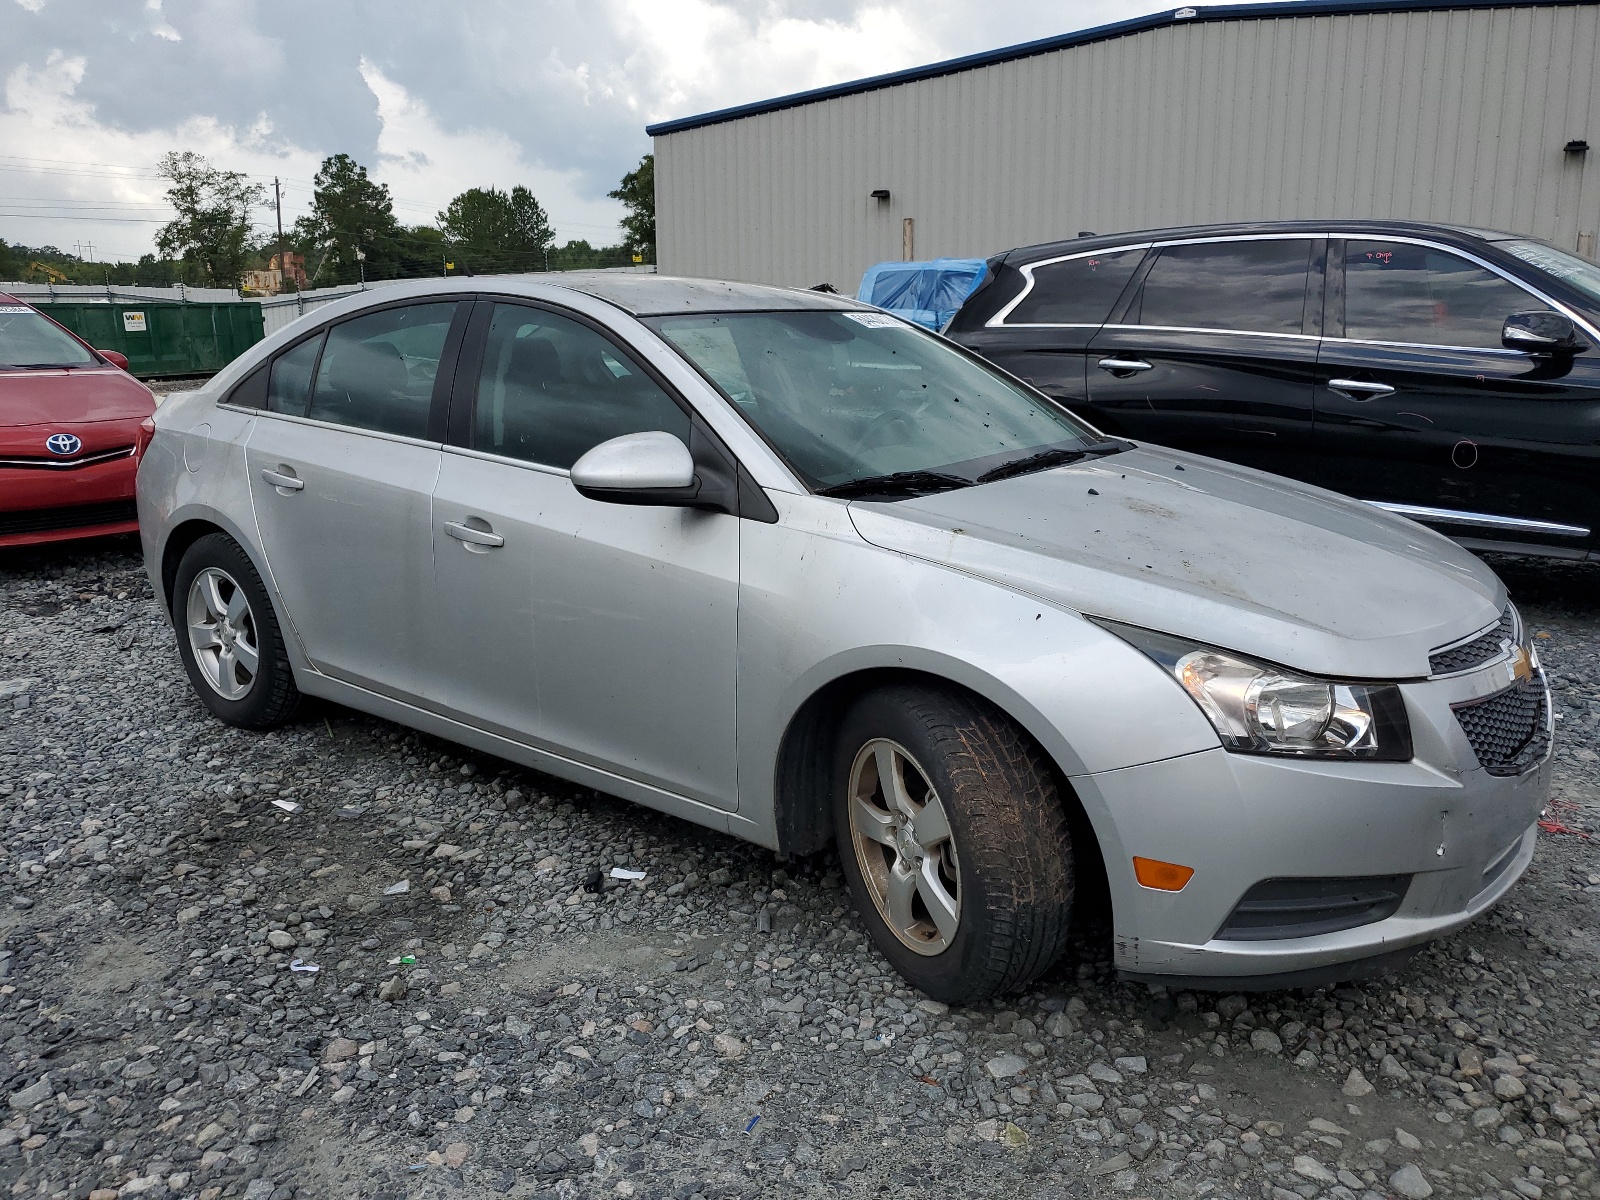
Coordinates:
[64,399]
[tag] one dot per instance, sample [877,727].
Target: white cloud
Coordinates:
[553,94]
[696,54]
[159,24]
[425,165]
[71,178]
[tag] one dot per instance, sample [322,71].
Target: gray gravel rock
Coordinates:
[208,994]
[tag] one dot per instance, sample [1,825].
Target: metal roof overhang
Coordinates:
[1083,37]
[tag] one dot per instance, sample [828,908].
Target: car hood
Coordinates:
[1202,549]
[77,396]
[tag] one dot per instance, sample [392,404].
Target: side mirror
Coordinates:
[638,468]
[1541,333]
[115,357]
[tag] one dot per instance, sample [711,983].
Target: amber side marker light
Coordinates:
[1163,876]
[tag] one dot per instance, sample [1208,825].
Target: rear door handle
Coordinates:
[1356,389]
[279,480]
[1124,364]
[473,537]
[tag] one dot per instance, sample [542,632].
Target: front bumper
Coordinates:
[1462,835]
[39,506]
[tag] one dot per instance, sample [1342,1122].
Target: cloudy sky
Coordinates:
[432,97]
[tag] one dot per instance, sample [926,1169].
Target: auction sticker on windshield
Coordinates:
[875,320]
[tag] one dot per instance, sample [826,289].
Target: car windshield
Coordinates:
[849,398]
[28,339]
[1573,271]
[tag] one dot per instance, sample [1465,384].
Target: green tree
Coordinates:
[493,230]
[351,230]
[638,195]
[211,231]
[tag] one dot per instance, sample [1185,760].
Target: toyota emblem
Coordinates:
[63,443]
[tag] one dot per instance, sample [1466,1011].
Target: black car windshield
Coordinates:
[28,339]
[1573,271]
[852,397]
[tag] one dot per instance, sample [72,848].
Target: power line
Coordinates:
[9,216]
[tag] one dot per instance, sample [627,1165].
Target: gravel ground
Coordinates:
[348,959]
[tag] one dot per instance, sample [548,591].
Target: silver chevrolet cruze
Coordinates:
[786,566]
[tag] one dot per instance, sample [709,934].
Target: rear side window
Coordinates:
[289,387]
[377,371]
[551,389]
[251,392]
[1398,292]
[1076,291]
[1251,287]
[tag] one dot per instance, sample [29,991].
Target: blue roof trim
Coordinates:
[1083,37]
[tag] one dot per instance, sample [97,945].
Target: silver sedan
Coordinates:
[782,565]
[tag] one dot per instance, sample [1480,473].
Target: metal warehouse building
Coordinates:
[1471,113]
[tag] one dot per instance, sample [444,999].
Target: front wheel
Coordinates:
[954,840]
[229,638]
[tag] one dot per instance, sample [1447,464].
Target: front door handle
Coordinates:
[1117,365]
[473,537]
[278,479]
[1356,389]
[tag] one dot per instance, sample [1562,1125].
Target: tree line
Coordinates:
[350,234]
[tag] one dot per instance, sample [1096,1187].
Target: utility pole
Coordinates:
[277,198]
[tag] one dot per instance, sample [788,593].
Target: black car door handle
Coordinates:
[1356,389]
[1120,365]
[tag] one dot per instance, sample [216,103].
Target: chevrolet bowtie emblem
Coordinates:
[1521,664]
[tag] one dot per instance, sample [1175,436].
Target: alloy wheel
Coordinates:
[222,633]
[903,844]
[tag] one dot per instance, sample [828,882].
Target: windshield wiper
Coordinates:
[1054,457]
[899,484]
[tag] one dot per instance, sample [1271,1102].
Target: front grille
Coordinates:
[37,462]
[1489,645]
[1296,908]
[1509,731]
[80,516]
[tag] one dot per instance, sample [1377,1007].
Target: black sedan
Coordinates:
[1445,373]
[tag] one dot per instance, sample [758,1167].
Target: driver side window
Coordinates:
[1400,292]
[552,389]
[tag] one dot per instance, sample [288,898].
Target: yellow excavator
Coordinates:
[49,273]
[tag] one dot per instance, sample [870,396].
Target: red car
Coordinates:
[72,427]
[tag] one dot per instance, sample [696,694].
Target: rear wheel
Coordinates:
[954,840]
[229,638]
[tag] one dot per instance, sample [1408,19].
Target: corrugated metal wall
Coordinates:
[1452,116]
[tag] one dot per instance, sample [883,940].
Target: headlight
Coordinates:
[1261,709]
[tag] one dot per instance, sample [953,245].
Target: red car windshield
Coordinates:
[28,339]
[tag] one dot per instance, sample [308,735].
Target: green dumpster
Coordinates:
[165,339]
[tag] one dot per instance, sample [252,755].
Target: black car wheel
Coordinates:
[954,840]
[229,638]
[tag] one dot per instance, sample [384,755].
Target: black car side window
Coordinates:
[289,388]
[1401,292]
[1248,286]
[552,389]
[1076,291]
[378,370]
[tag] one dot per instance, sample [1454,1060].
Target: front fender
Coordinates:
[818,604]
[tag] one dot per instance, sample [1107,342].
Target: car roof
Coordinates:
[659,295]
[1453,233]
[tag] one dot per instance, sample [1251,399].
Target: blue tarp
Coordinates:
[928,293]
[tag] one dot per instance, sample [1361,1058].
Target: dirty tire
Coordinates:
[1007,826]
[273,698]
